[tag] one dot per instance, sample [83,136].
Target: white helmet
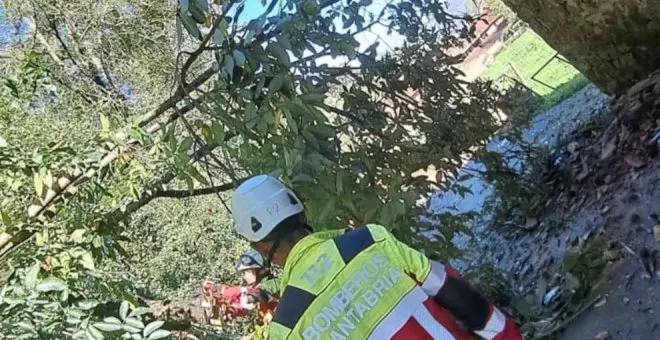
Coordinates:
[250,260]
[260,204]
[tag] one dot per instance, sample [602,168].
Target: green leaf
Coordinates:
[312,98]
[328,207]
[31,275]
[48,179]
[251,116]
[218,133]
[239,57]
[291,122]
[185,145]
[339,183]
[5,218]
[159,334]
[280,53]
[108,327]
[275,84]
[192,171]
[153,326]
[112,320]
[311,139]
[133,322]
[64,295]
[131,329]
[189,182]
[123,310]
[197,12]
[12,301]
[38,184]
[399,208]
[201,4]
[140,311]
[79,334]
[105,123]
[95,332]
[77,235]
[87,261]
[322,131]
[206,133]
[3,143]
[191,26]
[51,284]
[218,37]
[87,304]
[26,325]
[349,50]
[229,65]
[302,178]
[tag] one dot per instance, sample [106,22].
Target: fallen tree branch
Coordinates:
[9,242]
[125,209]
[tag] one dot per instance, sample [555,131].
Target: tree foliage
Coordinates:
[141,100]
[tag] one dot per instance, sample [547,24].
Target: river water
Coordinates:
[546,128]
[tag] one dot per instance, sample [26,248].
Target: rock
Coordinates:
[656,232]
[531,223]
[612,255]
[552,295]
[626,300]
[604,335]
[601,303]
[606,209]
[634,161]
[608,150]
[648,262]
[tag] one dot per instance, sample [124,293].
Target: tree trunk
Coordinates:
[614,43]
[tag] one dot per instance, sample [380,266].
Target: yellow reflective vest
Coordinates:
[339,285]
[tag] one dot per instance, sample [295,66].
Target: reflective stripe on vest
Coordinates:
[295,301]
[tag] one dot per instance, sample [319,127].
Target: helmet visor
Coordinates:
[247,262]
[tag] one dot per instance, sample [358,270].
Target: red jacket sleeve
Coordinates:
[471,308]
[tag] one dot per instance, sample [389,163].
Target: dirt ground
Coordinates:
[614,196]
[632,301]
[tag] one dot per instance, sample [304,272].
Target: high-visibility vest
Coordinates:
[362,284]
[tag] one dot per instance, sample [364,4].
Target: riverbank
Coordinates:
[578,266]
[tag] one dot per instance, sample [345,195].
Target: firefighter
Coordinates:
[262,286]
[257,293]
[360,283]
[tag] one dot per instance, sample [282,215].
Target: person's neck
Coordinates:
[279,258]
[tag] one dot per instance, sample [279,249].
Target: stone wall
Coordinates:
[615,43]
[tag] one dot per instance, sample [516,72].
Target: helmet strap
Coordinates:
[276,244]
[271,252]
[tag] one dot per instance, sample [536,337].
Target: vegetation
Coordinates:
[500,8]
[523,57]
[125,125]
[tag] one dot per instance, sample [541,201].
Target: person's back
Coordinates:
[365,284]
[358,284]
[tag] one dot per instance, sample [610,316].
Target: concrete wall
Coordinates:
[613,42]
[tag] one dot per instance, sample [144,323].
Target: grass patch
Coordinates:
[527,54]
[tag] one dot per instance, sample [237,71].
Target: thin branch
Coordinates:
[178,95]
[53,26]
[198,192]
[194,55]
[356,119]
